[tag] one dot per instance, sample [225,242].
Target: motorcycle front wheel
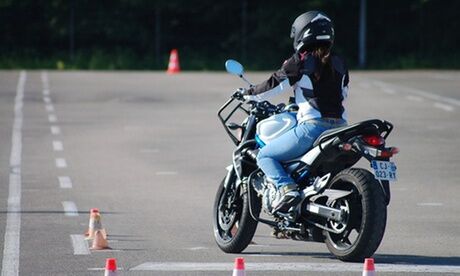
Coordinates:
[233,225]
[360,234]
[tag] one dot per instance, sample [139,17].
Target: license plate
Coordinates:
[384,170]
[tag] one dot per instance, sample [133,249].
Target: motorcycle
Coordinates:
[341,206]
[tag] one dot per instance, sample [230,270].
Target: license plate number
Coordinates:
[384,170]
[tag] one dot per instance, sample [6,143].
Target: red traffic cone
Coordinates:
[239,267]
[369,269]
[110,267]
[173,66]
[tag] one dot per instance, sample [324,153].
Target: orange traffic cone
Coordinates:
[91,220]
[369,269]
[110,267]
[173,66]
[239,267]
[100,242]
[95,224]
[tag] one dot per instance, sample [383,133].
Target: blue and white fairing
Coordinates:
[273,127]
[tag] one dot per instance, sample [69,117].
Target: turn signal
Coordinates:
[373,140]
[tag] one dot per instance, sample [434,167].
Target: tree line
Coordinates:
[138,34]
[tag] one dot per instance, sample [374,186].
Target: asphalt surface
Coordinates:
[148,151]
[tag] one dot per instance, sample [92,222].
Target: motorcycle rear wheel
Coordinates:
[233,225]
[362,232]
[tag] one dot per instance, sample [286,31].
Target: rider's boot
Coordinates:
[286,197]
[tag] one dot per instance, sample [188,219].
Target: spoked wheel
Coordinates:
[361,231]
[233,225]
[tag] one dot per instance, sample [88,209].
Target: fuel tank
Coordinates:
[273,127]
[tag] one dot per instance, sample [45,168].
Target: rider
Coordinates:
[320,82]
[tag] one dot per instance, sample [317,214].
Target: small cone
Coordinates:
[369,269]
[239,267]
[110,267]
[99,242]
[92,211]
[95,224]
[173,66]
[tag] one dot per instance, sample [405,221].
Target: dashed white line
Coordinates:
[46,92]
[444,107]
[119,268]
[414,98]
[45,80]
[388,90]
[166,173]
[444,77]
[52,118]
[365,85]
[65,182]
[197,248]
[55,130]
[58,146]
[80,245]
[282,267]
[61,163]
[47,99]
[430,204]
[49,107]
[418,92]
[10,262]
[70,208]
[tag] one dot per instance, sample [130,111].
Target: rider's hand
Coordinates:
[240,93]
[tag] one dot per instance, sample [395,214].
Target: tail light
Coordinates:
[373,140]
[389,152]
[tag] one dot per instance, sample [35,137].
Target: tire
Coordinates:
[234,230]
[367,215]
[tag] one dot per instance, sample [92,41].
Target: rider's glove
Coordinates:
[240,93]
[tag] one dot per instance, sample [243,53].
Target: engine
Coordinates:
[265,189]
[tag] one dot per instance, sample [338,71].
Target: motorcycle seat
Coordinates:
[331,133]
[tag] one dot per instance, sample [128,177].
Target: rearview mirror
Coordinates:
[234,67]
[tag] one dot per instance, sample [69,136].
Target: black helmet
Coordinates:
[312,29]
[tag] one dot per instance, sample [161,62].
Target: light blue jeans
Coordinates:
[291,145]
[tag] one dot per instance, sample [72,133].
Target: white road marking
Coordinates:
[414,98]
[70,208]
[65,182]
[444,77]
[384,88]
[420,93]
[317,267]
[55,130]
[10,262]
[197,248]
[103,268]
[46,92]
[61,163]
[80,245]
[430,204]
[52,118]
[49,107]
[388,90]
[166,173]
[444,107]
[365,85]
[58,146]
[47,99]
[45,80]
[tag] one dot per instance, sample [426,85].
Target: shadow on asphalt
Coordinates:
[379,258]
[416,260]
